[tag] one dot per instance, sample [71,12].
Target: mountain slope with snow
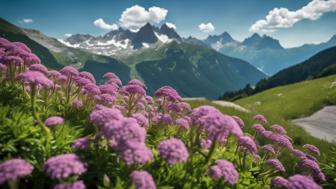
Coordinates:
[265,52]
[123,42]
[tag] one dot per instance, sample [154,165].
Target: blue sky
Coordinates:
[56,18]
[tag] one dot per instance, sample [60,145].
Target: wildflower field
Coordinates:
[63,130]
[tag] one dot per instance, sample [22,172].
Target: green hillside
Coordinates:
[293,101]
[320,64]
[296,100]
[13,33]
[55,55]
[196,71]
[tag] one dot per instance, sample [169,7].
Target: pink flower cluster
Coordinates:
[276,165]
[35,78]
[295,182]
[248,144]
[53,121]
[260,118]
[308,164]
[125,134]
[142,180]
[217,126]
[173,151]
[64,166]
[75,185]
[225,170]
[81,143]
[14,57]
[14,169]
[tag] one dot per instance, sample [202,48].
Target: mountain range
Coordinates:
[157,56]
[123,42]
[264,52]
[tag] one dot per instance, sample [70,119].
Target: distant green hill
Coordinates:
[55,55]
[13,33]
[294,100]
[321,64]
[196,71]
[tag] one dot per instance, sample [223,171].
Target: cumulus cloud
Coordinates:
[27,20]
[67,34]
[171,25]
[206,27]
[284,18]
[136,16]
[103,25]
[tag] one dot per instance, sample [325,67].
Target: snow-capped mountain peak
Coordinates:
[121,41]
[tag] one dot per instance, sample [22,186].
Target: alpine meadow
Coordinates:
[168,95]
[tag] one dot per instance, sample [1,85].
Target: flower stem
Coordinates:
[45,129]
[244,160]
[13,184]
[211,151]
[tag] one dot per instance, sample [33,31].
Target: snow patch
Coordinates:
[261,69]
[120,44]
[217,46]
[68,44]
[145,45]
[171,25]
[163,38]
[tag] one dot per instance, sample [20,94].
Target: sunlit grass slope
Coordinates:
[282,104]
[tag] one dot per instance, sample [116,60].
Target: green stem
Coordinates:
[211,151]
[129,105]
[68,92]
[244,160]
[11,74]
[13,184]
[265,173]
[45,129]
[189,167]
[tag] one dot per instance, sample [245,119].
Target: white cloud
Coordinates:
[206,27]
[136,16]
[284,18]
[67,34]
[103,25]
[171,25]
[27,20]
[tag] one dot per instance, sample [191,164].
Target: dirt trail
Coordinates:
[322,124]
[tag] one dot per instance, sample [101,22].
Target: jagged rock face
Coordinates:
[170,32]
[261,42]
[223,38]
[123,41]
[78,38]
[255,41]
[119,34]
[144,35]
